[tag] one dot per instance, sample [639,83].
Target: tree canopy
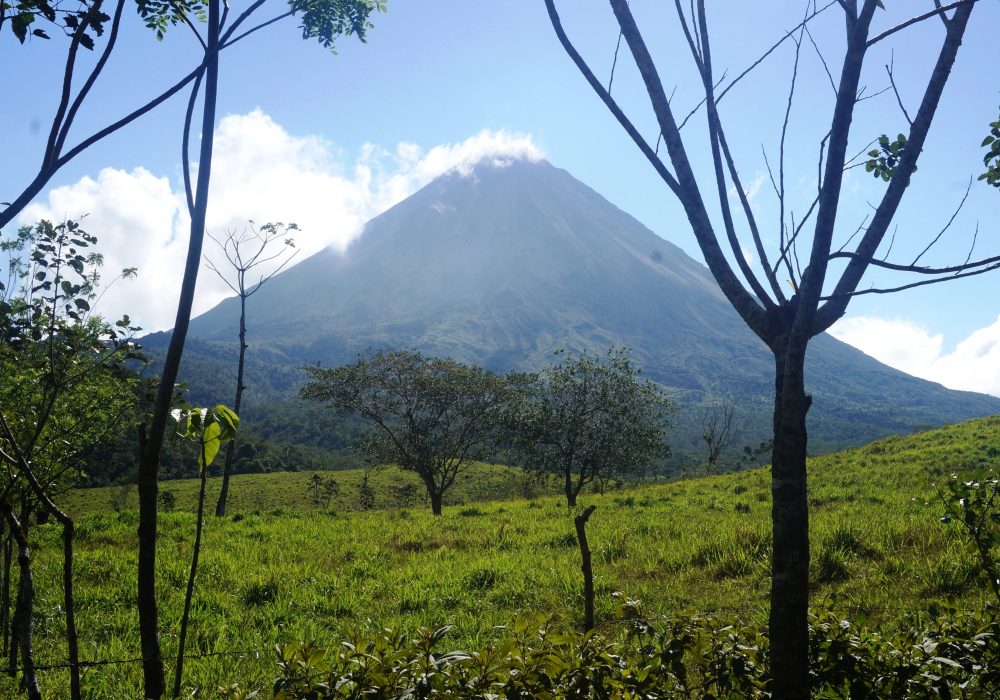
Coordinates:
[590,418]
[431,416]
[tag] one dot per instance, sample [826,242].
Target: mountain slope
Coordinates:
[506,264]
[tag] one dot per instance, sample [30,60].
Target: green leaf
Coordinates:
[210,444]
[228,420]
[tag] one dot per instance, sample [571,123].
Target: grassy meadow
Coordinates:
[278,568]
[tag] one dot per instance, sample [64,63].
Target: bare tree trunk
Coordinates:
[436,498]
[220,506]
[788,623]
[588,572]
[570,491]
[5,586]
[25,604]
[149,463]
[189,594]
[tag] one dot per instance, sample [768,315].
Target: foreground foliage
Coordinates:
[695,657]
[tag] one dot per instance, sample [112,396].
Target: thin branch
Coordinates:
[923,270]
[609,101]
[67,83]
[828,314]
[942,15]
[784,133]
[858,230]
[190,25]
[760,59]
[91,79]
[822,59]
[972,248]
[947,225]
[902,287]
[717,137]
[892,83]
[939,10]
[614,62]
[186,142]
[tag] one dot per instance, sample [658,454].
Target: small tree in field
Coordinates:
[591,419]
[64,390]
[431,416]
[246,251]
[801,285]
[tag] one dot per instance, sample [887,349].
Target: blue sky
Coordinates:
[329,141]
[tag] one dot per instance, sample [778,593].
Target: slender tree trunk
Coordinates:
[149,462]
[24,608]
[189,594]
[436,498]
[220,506]
[569,491]
[5,586]
[580,522]
[72,638]
[788,624]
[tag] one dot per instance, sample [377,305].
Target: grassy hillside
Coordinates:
[277,569]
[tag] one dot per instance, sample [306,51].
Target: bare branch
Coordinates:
[912,285]
[608,101]
[892,82]
[614,62]
[229,42]
[759,60]
[822,59]
[939,10]
[947,225]
[717,137]
[91,79]
[851,277]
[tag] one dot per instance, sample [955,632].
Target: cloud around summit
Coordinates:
[260,172]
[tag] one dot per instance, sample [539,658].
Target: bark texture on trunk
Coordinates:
[154,685]
[189,593]
[436,499]
[227,467]
[24,608]
[580,522]
[788,623]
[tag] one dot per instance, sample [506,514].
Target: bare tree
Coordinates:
[787,322]
[246,251]
[718,431]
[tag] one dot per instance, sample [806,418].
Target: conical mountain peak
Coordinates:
[501,263]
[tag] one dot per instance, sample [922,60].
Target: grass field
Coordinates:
[279,569]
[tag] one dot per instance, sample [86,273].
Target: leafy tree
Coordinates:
[431,416]
[590,419]
[246,251]
[322,489]
[64,390]
[787,320]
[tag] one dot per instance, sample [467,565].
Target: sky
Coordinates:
[329,141]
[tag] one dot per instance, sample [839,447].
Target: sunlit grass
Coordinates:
[278,568]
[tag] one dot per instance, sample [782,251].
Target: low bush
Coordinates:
[695,657]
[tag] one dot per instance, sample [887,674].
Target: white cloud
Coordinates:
[973,365]
[260,172]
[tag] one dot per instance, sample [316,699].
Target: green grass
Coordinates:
[278,569]
[258,493]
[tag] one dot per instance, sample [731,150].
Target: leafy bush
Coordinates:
[694,657]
